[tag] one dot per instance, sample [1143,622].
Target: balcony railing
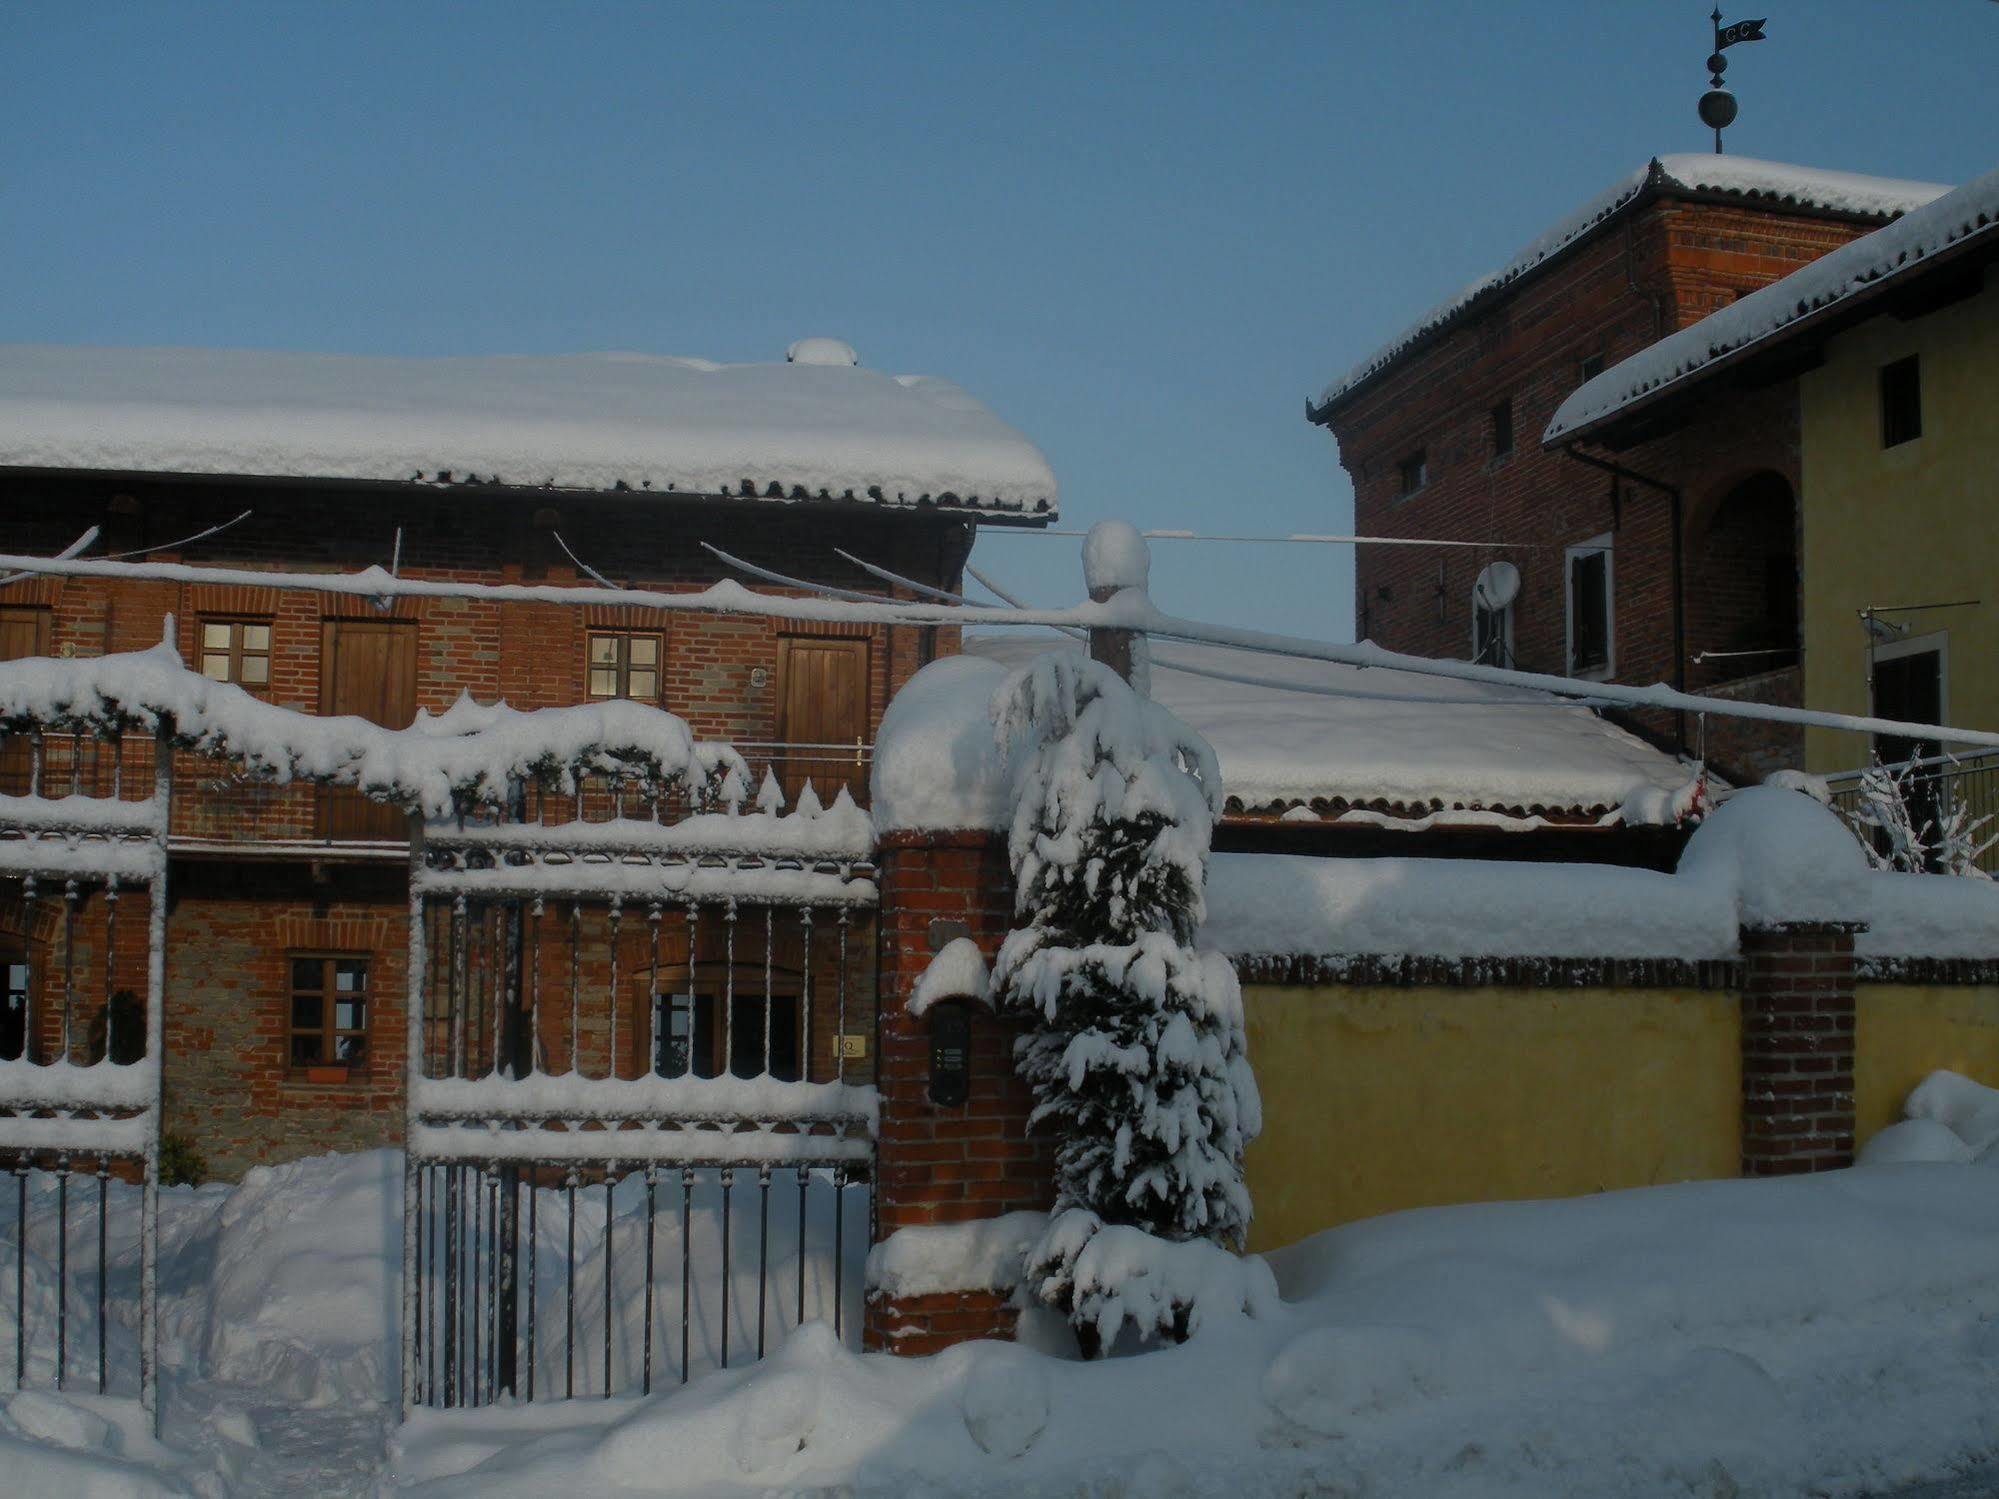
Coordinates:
[1939,786]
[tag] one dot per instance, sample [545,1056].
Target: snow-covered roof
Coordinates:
[816,428]
[1808,296]
[1849,194]
[1469,755]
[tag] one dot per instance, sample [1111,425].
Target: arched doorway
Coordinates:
[1743,615]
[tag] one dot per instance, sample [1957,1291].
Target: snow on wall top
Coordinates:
[1767,856]
[1736,176]
[1293,905]
[1972,211]
[936,764]
[814,428]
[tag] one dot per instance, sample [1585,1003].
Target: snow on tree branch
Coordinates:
[1135,1048]
[1909,823]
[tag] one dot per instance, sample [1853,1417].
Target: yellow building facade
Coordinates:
[1915,523]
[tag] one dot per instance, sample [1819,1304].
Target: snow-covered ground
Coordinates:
[1836,1334]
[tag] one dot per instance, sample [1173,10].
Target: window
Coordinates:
[236,650]
[1591,647]
[685,1039]
[1502,428]
[1901,402]
[1412,473]
[623,664]
[1589,369]
[329,1011]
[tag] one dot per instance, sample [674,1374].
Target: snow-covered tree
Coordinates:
[1134,1047]
[1907,831]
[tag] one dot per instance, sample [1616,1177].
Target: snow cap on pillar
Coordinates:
[1115,556]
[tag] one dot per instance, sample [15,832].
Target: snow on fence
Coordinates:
[603,1003]
[80,832]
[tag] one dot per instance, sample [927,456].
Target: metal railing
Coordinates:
[1940,786]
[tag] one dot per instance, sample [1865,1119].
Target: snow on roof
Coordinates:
[1772,182]
[814,428]
[1900,249]
[1498,756]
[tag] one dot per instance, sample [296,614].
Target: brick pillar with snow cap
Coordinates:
[1797,874]
[951,1175]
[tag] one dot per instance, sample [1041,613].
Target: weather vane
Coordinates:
[1718,104]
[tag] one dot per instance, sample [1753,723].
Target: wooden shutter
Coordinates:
[368,669]
[822,699]
[23,632]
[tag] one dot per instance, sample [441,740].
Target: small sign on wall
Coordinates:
[853,1046]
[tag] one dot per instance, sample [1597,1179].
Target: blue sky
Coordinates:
[1142,233]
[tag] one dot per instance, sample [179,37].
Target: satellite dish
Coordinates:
[1498,585]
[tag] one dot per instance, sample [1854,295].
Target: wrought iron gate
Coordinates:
[83,839]
[634,1032]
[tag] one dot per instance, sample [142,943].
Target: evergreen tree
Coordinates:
[1135,1047]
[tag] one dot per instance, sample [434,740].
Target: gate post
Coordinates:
[939,1164]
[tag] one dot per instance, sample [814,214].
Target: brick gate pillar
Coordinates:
[1797,1047]
[939,1165]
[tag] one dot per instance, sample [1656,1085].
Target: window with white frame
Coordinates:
[1591,588]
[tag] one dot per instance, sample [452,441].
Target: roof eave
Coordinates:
[1047,513]
[1624,426]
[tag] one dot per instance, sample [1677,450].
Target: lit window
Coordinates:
[624,665]
[329,1011]
[1901,402]
[1412,473]
[236,650]
[1591,643]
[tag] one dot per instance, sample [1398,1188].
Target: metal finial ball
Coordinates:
[1717,108]
[1717,64]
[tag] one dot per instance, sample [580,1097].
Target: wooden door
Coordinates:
[368,669]
[822,700]
[23,632]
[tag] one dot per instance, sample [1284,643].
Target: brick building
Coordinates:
[289,903]
[1673,561]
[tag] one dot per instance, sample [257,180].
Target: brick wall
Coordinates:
[1655,269]
[230,1086]
[1797,1049]
[720,673]
[936,1164]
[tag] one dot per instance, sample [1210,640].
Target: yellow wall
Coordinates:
[1904,1032]
[1913,524]
[1379,1098]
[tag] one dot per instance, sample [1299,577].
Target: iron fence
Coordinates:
[566,1280]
